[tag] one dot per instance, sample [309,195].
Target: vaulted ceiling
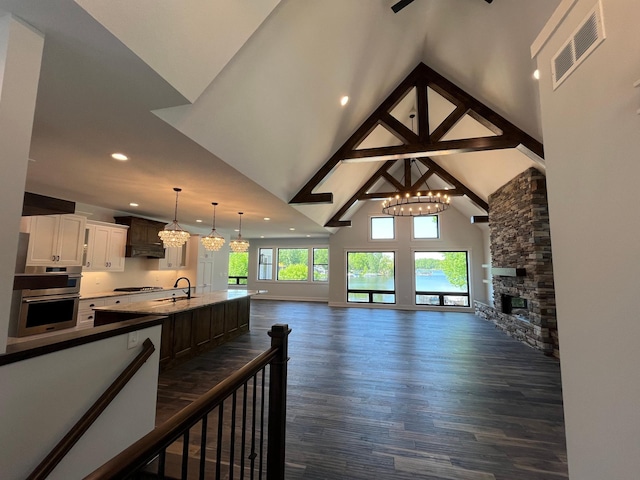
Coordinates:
[238,102]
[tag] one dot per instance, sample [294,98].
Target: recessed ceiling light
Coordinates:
[236,229]
[344,100]
[119,156]
[308,235]
[133,204]
[261,236]
[536,74]
[292,229]
[266,219]
[198,221]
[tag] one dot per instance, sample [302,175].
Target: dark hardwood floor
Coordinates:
[384,394]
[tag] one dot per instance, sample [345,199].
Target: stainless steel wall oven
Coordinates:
[52,304]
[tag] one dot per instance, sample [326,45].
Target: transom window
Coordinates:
[442,278]
[382,228]
[371,277]
[426,227]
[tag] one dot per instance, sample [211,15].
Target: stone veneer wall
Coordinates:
[520,237]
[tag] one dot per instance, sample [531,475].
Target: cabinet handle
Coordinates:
[117,301]
[58,258]
[92,305]
[88,264]
[90,317]
[53,258]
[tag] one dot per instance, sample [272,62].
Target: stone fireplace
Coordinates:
[522,270]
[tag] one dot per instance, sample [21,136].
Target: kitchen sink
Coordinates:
[173,299]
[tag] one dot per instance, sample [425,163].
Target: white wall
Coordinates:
[20,56]
[456,233]
[592,149]
[304,291]
[41,398]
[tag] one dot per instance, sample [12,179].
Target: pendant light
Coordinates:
[239,245]
[214,240]
[173,235]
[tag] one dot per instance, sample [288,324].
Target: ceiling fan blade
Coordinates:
[400,5]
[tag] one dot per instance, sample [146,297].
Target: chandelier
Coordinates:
[239,245]
[416,205]
[173,235]
[214,240]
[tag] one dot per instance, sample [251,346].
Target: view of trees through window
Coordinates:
[293,264]
[425,226]
[442,278]
[320,264]
[238,268]
[369,276]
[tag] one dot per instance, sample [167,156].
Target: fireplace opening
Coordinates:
[515,305]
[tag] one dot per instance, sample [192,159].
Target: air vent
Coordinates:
[582,42]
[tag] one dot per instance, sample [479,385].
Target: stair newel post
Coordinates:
[277,403]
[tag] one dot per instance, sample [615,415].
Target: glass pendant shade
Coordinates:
[239,245]
[173,234]
[214,241]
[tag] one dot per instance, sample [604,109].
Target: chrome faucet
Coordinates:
[188,292]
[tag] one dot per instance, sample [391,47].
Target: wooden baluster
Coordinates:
[277,403]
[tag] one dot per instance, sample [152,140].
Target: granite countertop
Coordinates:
[120,294]
[168,306]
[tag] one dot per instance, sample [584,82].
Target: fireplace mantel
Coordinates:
[508,272]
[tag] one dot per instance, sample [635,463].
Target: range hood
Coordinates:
[142,237]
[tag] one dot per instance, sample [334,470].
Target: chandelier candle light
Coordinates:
[416,205]
[173,235]
[214,241]
[239,245]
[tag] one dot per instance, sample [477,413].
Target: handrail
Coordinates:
[70,439]
[139,453]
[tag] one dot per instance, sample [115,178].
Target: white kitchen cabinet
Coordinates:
[105,247]
[175,258]
[86,315]
[55,240]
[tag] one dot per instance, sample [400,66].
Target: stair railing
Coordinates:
[238,452]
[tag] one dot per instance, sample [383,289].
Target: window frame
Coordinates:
[442,294]
[276,260]
[382,217]
[371,292]
[238,279]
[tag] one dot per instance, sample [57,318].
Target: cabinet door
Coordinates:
[100,243]
[70,240]
[182,329]
[166,342]
[202,328]
[217,323]
[231,324]
[117,245]
[43,238]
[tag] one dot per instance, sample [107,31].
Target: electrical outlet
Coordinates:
[133,340]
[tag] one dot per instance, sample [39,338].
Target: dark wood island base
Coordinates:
[190,327]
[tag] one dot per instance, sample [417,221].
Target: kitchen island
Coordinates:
[192,325]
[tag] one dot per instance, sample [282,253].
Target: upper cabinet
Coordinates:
[104,247]
[142,239]
[175,258]
[55,239]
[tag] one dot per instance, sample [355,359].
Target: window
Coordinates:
[293,264]
[265,264]
[371,277]
[320,264]
[238,268]
[442,278]
[426,227]
[382,228]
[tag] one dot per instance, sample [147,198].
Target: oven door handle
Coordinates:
[50,298]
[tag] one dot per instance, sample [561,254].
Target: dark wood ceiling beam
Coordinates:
[447,147]
[479,111]
[398,129]
[335,220]
[306,195]
[407,173]
[392,180]
[422,179]
[448,123]
[480,219]
[447,177]
[423,111]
